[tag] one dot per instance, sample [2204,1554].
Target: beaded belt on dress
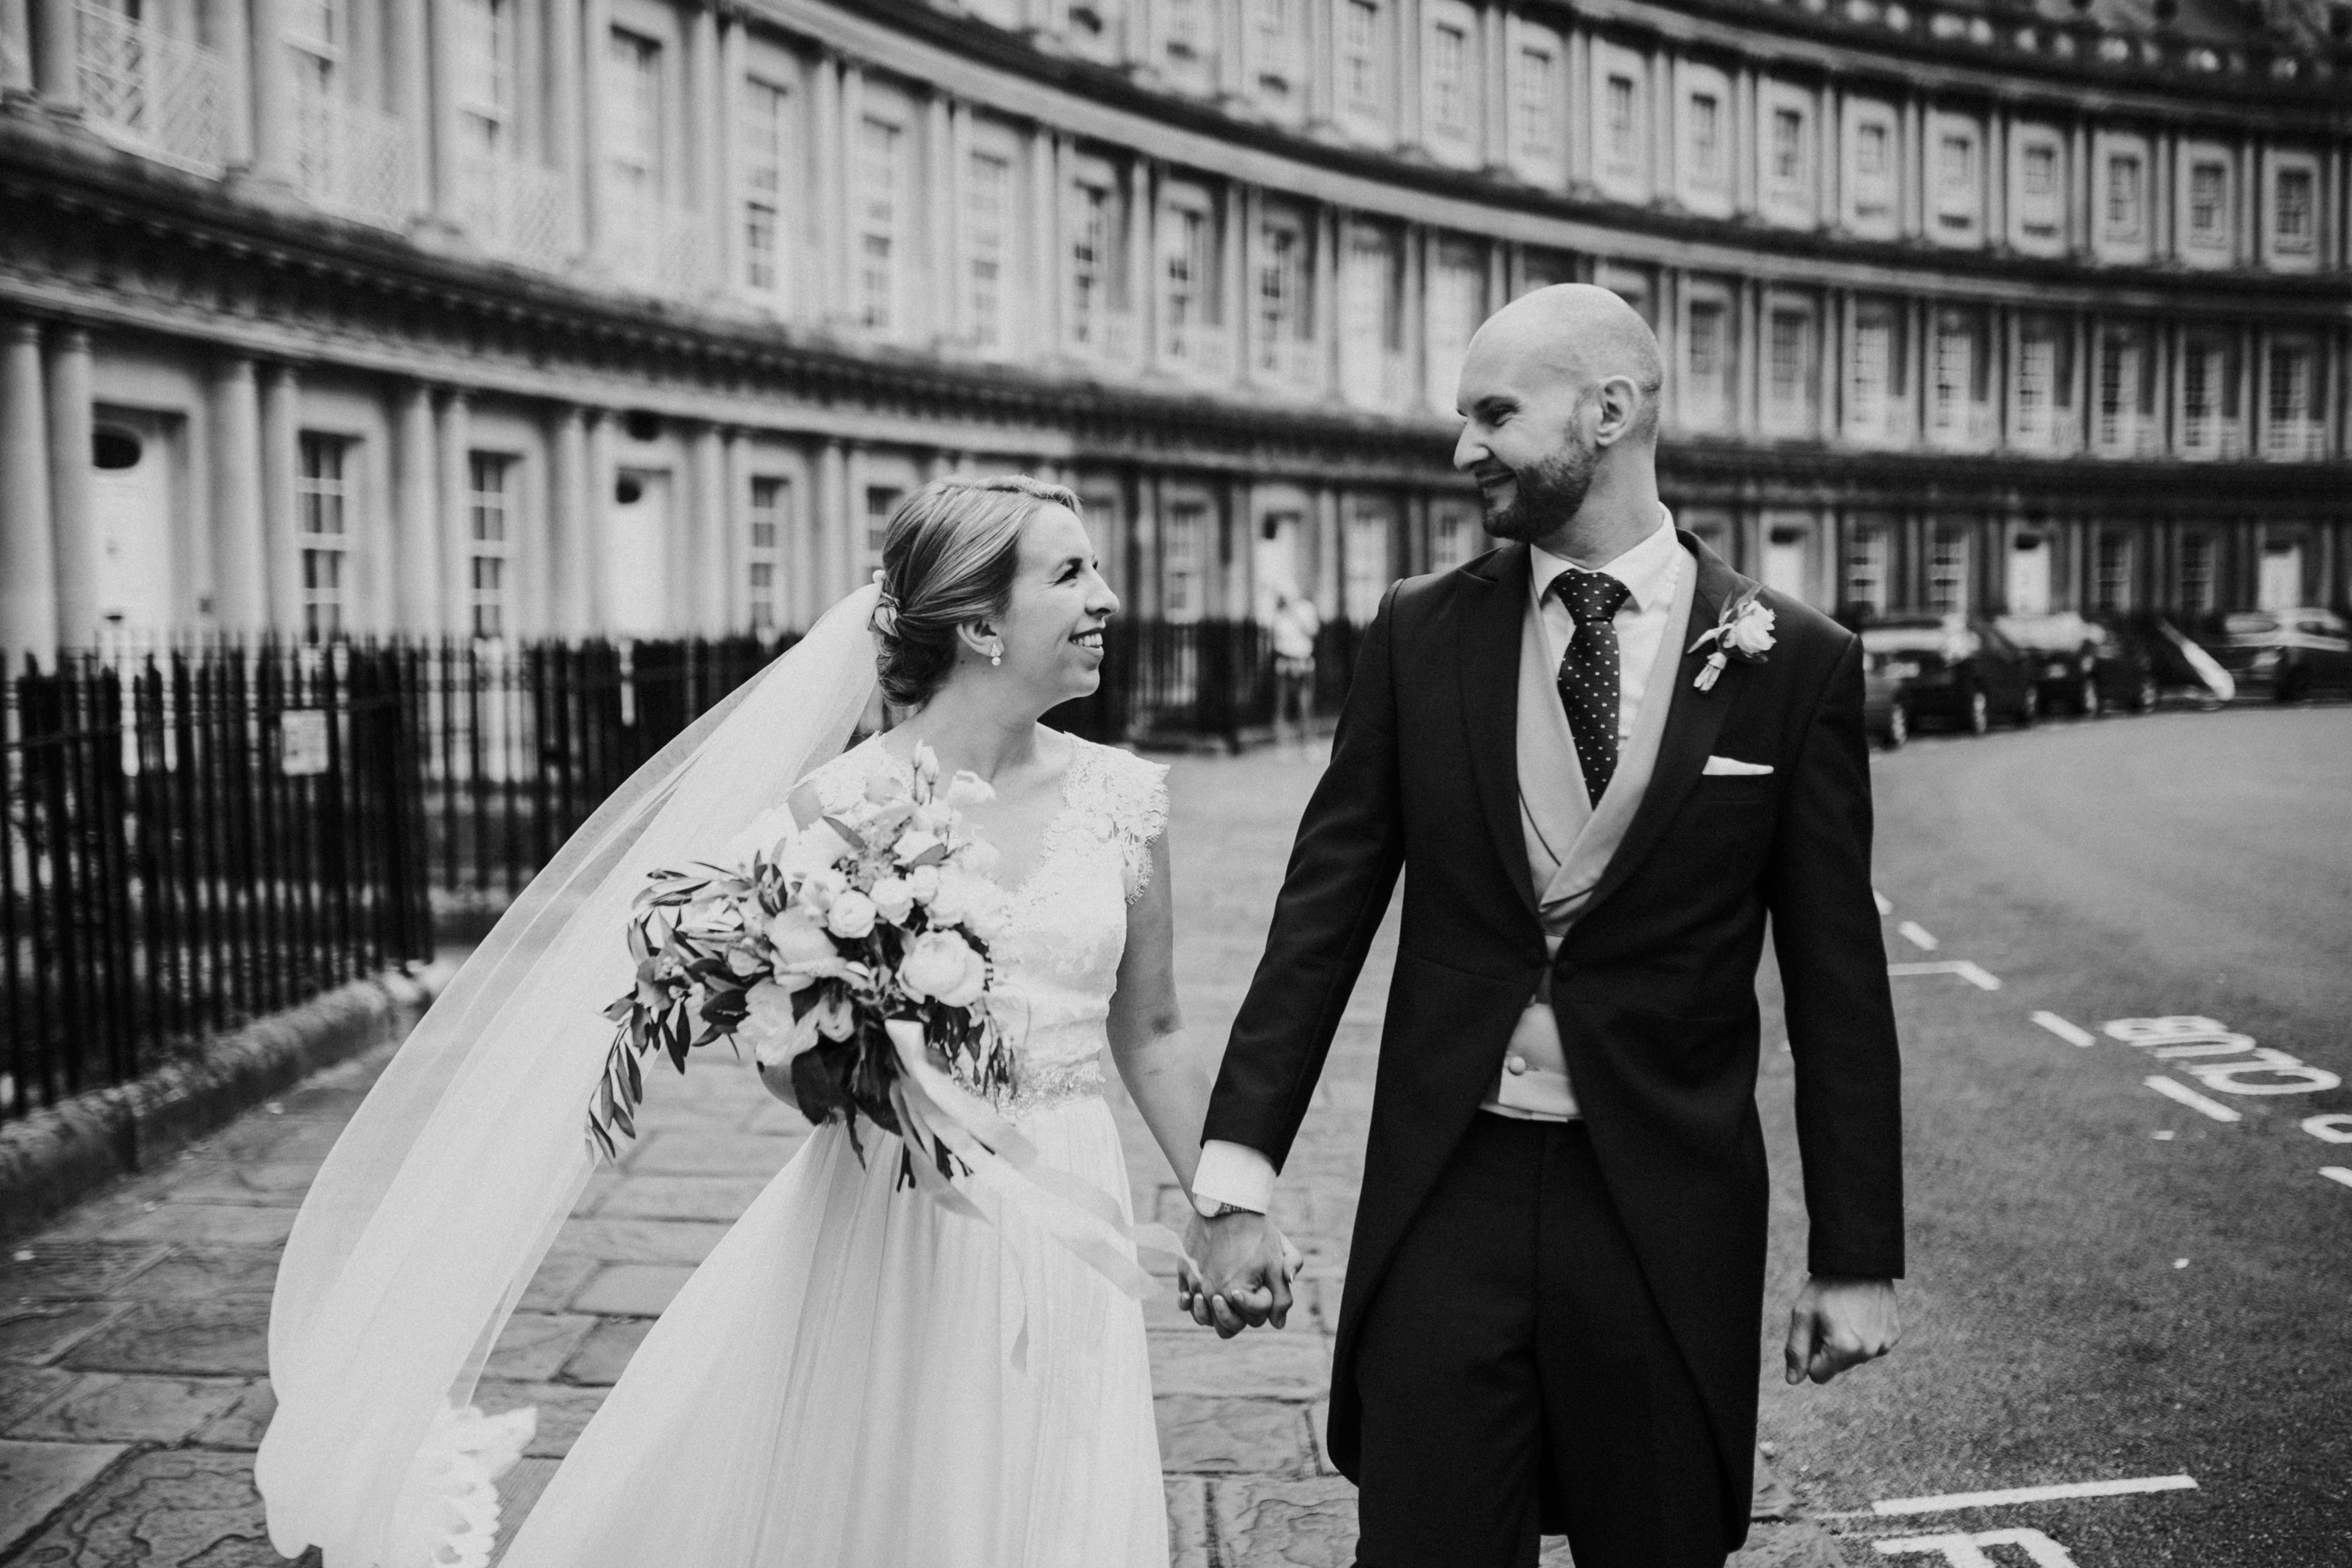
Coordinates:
[1041,1088]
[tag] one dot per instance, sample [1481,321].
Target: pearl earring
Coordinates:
[996,655]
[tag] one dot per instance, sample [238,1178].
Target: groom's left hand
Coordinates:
[1840,1322]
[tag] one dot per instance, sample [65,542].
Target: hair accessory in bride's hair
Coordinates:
[886,609]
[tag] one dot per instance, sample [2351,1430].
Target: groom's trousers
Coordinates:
[1513,1348]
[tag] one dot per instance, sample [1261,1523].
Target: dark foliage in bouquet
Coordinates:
[807,943]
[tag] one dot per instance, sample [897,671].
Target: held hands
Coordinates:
[1840,1322]
[1245,1266]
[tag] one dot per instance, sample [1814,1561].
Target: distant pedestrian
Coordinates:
[1295,626]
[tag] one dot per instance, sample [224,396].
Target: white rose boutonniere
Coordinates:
[1743,632]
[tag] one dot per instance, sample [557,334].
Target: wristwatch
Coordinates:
[1215,1208]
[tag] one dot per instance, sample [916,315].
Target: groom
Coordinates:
[1554,1290]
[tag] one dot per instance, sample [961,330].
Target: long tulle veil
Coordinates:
[428,1219]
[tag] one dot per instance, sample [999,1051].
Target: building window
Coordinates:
[1281,292]
[488,499]
[988,187]
[1449,65]
[877,223]
[769,517]
[486,74]
[1190,263]
[2201,371]
[1367,572]
[881,500]
[2290,388]
[633,115]
[1182,596]
[765,133]
[1185,28]
[1947,571]
[1370,319]
[1866,568]
[1788,368]
[2111,573]
[1090,261]
[2294,226]
[2197,574]
[1622,149]
[2124,196]
[1873,348]
[1535,116]
[1457,303]
[1956,182]
[2207,182]
[1954,371]
[2118,407]
[1788,148]
[2037,358]
[1710,382]
[321,502]
[1705,139]
[1871,165]
[1360,57]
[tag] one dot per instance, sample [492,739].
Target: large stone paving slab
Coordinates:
[69,1270]
[39,1332]
[205,1274]
[720,1198]
[37,1480]
[1287,1363]
[632,1290]
[170,1509]
[112,1407]
[1204,1435]
[192,1337]
[1266,1523]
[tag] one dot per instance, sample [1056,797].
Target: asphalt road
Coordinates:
[2107,1284]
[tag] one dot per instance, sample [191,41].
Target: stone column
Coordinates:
[221,27]
[567,533]
[706,128]
[1326,299]
[1322,53]
[829,561]
[727,174]
[57,65]
[29,578]
[940,219]
[72,525]
[1232,290]
[240,590]
[273,93]
[564,98]
[410,56]
[281,550]
[417,509]
[830,291]
[1141,198]
[15,47]
[594,538]
[1050,176]
[732,588]
[595,214]
[1409,86]
[707,578]
[455,469]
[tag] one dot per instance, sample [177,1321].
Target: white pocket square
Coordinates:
[1720,767]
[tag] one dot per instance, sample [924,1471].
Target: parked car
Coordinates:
[1884,714]
[2295,652]
[1958,669]
[2081,667]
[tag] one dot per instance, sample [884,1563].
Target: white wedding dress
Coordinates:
[836,1386]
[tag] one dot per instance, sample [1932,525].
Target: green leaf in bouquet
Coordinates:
[936,854]
[636,1077]
[849,835]
[619,1105]
[620,1008]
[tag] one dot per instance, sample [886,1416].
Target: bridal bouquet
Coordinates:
[854,949]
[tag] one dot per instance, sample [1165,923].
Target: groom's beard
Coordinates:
[1545,494]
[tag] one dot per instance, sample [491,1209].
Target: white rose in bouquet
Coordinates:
[923,881]
[821,887]
[767,1026]
[942,965]
[799,944]
[850,916]
[894,900]
[967,789]
[952,898]
[886,789]
[979,857]
[813,851]
[913,845]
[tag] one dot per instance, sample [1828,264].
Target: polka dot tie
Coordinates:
[1588,672]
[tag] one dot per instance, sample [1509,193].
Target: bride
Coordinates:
[856,1374]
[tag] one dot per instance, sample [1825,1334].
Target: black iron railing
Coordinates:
[196,838]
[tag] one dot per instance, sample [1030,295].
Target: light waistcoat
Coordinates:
[1569,840]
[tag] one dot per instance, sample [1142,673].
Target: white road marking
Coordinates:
[2335,1127]
[2336,1173]
[1959,966]
[2066,1031]
[1968,1551]
[2173,1089]
[1885,904]
[1916,935]
[1950,1501]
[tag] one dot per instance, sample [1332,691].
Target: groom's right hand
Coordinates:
[1244,1273]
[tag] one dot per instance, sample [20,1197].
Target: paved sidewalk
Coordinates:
[133,1334]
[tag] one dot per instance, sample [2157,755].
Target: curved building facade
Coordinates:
[636,317]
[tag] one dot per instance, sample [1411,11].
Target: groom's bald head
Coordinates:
[1572,335]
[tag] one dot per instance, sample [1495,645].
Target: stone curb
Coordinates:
[57,1156]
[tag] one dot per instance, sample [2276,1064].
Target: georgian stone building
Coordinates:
[510,317]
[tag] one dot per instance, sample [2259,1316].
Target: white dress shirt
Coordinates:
[1237,1176]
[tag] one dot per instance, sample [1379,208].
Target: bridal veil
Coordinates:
[430,1216]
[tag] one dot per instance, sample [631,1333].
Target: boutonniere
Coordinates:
[1743,632]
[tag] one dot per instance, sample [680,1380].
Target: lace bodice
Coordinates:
[1057,958]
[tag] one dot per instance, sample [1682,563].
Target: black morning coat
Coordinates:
[1654,987]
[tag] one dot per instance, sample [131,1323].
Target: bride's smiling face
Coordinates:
[1052,627]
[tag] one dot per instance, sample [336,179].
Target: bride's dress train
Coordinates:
[856,1376]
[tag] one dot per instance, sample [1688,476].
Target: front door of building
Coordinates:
[2280,586]
[2028,589]
[131,513]
[637,556]
[1785,560]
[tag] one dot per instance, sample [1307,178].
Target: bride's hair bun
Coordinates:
[949,554]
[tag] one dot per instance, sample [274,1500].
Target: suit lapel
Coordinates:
[1692,722]
[1488,629]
